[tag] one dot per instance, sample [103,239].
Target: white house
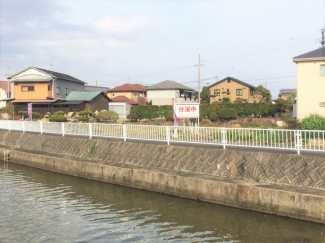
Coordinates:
[163,93]
[121,105]
[5,88]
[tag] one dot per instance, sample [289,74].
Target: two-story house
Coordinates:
[41,87]
[232,88]
[163,93]
[310,83]
[135,92]
[285,93]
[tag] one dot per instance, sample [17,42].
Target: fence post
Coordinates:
[90,131]
[224,137]
[168,135]
[23,126]
[124,132]
[62,128]
[298,140]
[41,127]
[9,125]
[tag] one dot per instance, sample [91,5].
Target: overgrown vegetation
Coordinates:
[133,117]
[92,149]
[313,122]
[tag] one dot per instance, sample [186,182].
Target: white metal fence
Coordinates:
[249,137]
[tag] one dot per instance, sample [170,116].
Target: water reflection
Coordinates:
[38,206]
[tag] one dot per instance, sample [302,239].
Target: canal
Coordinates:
[41,206]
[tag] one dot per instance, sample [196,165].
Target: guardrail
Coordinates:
[312,140]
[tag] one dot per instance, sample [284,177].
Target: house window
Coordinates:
[217,92]
[49,87]
[322,70]
[113,95]
[135,94]
[251,92]
[58,90]
[27,88]
[66,91]
[239,92]
[228,93]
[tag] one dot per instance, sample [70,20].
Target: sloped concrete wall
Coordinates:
[274,168]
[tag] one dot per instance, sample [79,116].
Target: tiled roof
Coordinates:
[55,74]
[122,98]
[83,95]
[287,91]
[168,85]
[129,87]
[234,79]
[4,85]
[320,52]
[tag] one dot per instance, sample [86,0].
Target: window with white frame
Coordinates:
[239,92]
[58,90]
[322,70]
[66,91]
[217,92]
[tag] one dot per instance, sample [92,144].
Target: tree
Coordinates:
[205,95]
[264,95]
[283,105]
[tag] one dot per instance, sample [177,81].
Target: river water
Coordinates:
[41,206]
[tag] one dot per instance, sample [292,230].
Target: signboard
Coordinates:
[189,110]
[29,110]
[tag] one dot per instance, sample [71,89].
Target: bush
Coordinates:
[228,114]
[313,122]
[108,115]
[213,116]
[195,119]
[86,113]
[133,117]
[23,113]
[3,110]
[83,119]
[293,124]
[169,115]
[59,113]
[57,118]
[36,115]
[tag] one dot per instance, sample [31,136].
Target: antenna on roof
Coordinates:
[323,36]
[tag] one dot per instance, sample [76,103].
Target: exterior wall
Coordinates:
[133,95]
[162,97]
[32,73]
[232,86]
[119,108]
[3,95]
[284,96]
[310,89]
[63,84]
[40,91]
[99,103]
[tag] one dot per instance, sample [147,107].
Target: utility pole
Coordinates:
[323,37]
[199,78]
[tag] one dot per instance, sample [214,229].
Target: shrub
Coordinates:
[133,117]
[83,118]
[23,113]
[57,118]
[293,124]
[228,114]
[59,113]
[36,115]
[213,116]
[169,115]
[3,110]
[86,113]
[108,115]
[313,122]
[195,119]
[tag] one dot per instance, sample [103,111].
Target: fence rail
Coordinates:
[312,140]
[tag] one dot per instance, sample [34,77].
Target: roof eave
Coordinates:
[311,59]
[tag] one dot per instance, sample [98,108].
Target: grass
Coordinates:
[92,149]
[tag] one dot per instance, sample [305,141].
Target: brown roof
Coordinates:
[4,85]
[122,98]
[129,87]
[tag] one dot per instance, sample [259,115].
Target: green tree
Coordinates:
[264,94]
[205,95]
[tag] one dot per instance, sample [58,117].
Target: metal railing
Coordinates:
[312,140]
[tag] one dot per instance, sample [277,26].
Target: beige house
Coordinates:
[310,83]
[232,88]
[135,92]
[285,93]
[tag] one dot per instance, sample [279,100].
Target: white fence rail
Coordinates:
[248,137]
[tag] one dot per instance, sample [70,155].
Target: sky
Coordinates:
[113,42]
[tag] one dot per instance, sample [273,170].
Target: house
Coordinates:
[310,83]
[285,93]
[121,105]
[5,92]
[163,93]
[42,88]
[84,100]
[232,88]
[135,92]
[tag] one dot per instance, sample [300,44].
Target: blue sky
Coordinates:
[116,42]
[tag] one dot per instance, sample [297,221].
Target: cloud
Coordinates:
[113,25]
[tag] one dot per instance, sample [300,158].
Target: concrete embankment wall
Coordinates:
[207,174]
